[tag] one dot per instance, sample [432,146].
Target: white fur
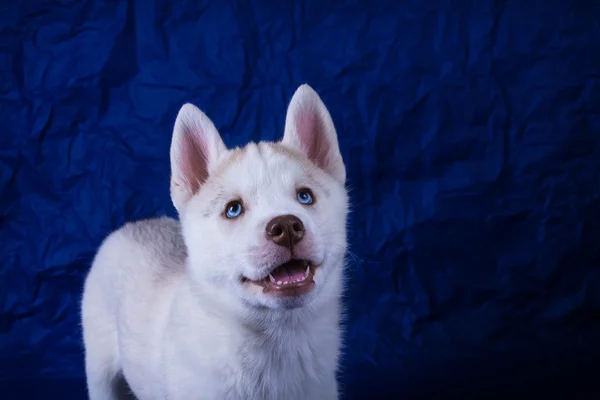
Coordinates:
[164,305]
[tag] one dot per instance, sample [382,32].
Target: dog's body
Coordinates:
[242,299]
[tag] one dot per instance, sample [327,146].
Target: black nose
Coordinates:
[285,230]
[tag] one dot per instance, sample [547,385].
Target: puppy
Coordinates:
[241,298]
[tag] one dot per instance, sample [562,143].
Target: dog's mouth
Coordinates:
[293,278]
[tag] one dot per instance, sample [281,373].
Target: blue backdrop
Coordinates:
[470,130]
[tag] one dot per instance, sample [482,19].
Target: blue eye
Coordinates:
[234,209]
[305,196]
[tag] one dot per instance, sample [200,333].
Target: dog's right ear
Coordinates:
[309,129]
[195,148]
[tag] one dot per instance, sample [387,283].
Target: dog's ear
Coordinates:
[309,129]
[195,149]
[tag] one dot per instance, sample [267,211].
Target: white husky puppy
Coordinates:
[241,298]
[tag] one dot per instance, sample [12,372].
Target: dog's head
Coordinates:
[265,223]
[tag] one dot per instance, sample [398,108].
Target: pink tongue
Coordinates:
[285,274]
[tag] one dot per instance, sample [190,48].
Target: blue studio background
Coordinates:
[471,134]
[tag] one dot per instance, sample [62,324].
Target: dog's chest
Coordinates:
[279,368]
[276,375]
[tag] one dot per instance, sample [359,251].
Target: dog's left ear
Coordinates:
[196,147]
[309,129]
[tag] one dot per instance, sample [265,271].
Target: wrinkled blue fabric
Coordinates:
[471,135]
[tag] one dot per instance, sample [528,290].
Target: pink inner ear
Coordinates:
[194,166]
[312,136]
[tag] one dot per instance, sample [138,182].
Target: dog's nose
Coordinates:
[285,230]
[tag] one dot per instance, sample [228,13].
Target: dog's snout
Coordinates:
[285,230]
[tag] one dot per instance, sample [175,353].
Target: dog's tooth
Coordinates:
[306,272]
[279,282]
[272,278]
